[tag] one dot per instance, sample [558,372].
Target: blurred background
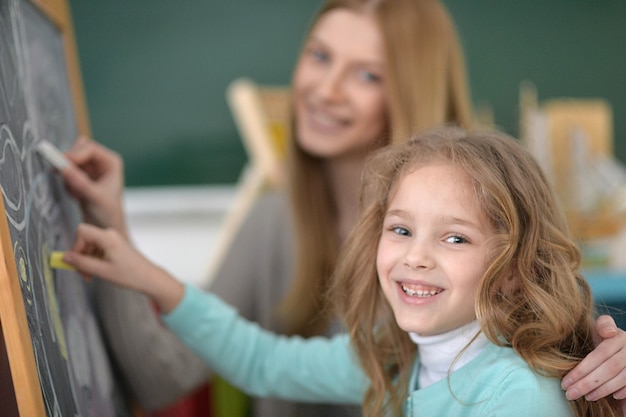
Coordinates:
[155,72]
[155,75]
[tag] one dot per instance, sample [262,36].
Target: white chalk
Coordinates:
[53,155]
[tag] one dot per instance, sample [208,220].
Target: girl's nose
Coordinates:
[418,255]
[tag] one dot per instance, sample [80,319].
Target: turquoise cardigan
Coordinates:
[497,383]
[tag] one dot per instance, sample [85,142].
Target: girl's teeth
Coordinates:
[420,292]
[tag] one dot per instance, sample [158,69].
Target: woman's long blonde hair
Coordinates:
[426,87]
[532,297]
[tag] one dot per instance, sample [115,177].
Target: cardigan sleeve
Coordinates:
[262,363]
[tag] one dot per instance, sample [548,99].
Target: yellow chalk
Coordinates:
[56,261]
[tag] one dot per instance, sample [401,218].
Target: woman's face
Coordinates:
[339,86]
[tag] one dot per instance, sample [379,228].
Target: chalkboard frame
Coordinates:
[13,320]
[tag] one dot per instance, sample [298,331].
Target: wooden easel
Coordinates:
[16,338]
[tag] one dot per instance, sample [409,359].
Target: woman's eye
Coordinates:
[456,239]
[368,76]
[400,231]
[319,55]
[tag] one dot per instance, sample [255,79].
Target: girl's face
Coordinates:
[339,92]
[432,251]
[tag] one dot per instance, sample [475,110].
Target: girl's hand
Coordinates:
[603,371]
[96,179]
[106,254]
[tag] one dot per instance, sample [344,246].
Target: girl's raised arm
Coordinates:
[107,254]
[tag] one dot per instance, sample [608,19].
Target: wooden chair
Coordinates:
[261,114]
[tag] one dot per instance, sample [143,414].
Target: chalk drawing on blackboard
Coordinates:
[21,270]
[73,367]
[56,327]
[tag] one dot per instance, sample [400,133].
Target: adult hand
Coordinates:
[603,371]
[96,179]
[106,254]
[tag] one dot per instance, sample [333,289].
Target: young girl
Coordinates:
[461,245]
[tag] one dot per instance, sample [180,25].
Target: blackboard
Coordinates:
[58,360]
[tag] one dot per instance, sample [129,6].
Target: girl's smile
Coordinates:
[418,290]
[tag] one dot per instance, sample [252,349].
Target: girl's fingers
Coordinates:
[87,265]
[87,235]
[93,252]
[106,254]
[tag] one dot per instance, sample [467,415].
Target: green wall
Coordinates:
[155,72]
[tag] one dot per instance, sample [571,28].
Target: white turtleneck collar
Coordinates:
[438,352]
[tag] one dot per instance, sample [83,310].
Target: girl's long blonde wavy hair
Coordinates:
[425,87]
[532,297]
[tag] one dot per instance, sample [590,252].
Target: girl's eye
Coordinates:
[456,239]
[400,231]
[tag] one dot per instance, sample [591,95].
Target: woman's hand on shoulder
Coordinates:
[603,371]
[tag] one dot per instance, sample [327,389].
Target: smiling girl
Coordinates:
[459,287]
